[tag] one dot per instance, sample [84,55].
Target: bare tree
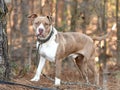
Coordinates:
[24,32]
[118,31]
[4,63]
[101,9]
[14,26]
[74,15]
[103,55]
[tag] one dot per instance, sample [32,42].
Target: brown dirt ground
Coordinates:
[67,75]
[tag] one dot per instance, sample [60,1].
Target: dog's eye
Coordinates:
[37,23]
[46,24]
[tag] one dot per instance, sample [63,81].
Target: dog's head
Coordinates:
[42,25]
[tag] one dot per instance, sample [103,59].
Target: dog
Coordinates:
[55,46]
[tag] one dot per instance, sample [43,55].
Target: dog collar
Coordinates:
[46,39]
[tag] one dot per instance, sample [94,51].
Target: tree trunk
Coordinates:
[31,3]
[118,32]
[59,13]
[74,15]
[24,31]
[14,28]
[104,28]
[56,20]
[4,63]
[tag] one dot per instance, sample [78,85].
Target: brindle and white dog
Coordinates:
[55,46]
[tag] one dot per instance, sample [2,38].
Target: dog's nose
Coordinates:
[40,30]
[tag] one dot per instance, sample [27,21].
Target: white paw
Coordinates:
[57,81]
[36,78]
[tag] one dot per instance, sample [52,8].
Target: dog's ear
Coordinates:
[32,16]
[51,19]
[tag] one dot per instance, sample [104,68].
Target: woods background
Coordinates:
[92,17]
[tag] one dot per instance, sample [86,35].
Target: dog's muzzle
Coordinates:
[40,31]
[43,40]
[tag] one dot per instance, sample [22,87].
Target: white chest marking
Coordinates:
[48,50]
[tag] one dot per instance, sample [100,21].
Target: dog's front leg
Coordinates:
[39,69]
[58,72]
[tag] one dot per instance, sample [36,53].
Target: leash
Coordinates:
[75,83]
[28,86]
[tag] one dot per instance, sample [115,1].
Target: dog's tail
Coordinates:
[99,38]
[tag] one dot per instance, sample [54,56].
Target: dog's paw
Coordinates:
[57,81]
[35,79]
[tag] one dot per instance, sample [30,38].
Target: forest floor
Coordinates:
[67,75]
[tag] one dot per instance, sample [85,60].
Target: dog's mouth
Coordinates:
[40,35]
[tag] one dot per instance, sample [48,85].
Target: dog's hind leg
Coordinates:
[82,65]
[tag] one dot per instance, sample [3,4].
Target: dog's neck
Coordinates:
[41,41]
